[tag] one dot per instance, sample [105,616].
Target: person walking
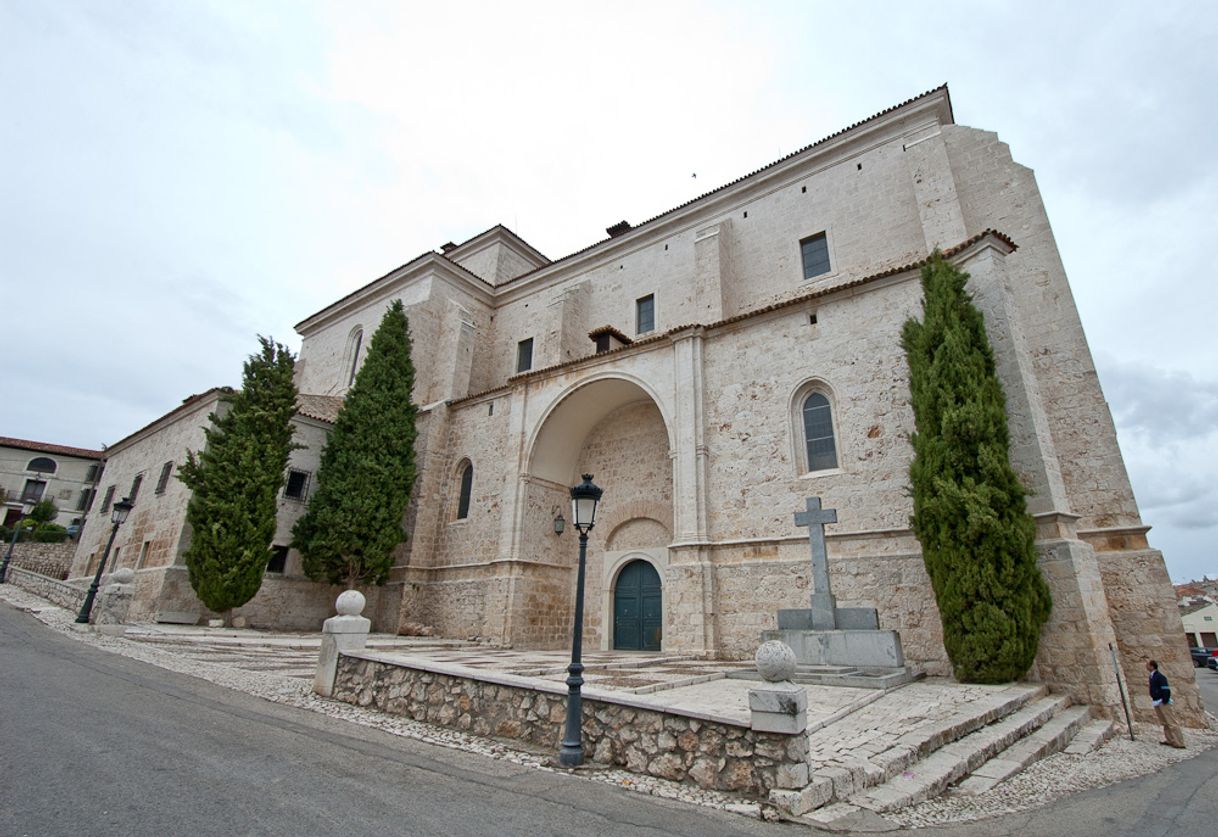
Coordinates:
[1160,696]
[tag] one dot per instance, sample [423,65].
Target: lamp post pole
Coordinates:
[26,508]
[584,499]
[119,514]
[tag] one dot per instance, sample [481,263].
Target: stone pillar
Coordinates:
[1073,656]
[935,190]
[1033,453]
[689,471]
[346,632]
[114,602]
[712,273]
[779,705]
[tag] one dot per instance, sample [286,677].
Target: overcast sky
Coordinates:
[176,177]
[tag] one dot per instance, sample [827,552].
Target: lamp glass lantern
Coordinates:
[120,510]
[584,499]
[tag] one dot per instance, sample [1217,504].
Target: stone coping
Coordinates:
[516,681]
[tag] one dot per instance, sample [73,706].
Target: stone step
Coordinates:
[852,775]
[1053,737]
[1091,737]
[931,775]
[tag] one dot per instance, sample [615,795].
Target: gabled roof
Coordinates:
[48,447]
[941,89]
[186,406]
[501,232]
[499,229]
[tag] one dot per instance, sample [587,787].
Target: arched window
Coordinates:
[467,487]
[42,465]
[816,422]
[354,343]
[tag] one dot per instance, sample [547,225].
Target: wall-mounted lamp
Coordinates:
[560,522]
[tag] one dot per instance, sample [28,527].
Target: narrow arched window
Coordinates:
[818,433]
[42,464]
[467,487]
[357,341]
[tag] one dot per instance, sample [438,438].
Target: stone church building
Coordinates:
[712,367]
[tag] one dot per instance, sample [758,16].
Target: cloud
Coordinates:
[1167,422]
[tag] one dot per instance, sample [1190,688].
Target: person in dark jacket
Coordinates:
[1160,696]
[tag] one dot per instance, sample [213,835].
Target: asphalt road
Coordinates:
[1207,681]
[99,744]
[94,743]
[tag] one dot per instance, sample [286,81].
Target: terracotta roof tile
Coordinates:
[320,407]
[48,447]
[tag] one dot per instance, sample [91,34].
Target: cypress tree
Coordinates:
[354,520]
[970,512]
[235,482]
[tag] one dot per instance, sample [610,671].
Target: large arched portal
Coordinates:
[613,429]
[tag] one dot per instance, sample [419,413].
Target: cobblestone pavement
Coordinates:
[279,667]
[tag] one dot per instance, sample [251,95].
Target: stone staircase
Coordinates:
[977,742]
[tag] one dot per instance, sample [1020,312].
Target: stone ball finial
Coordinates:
[123,575]
[775,661]
[350,603]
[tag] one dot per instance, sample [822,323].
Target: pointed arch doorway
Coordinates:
[637,608]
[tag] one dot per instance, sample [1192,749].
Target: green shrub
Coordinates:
[50,533]
[970,514]
[354,520]
[235,482]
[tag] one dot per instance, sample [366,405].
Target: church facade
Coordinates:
[717,364]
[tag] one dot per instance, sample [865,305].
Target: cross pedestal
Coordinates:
[824,615]
[825,634]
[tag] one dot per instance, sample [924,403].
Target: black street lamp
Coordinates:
[26,507]
[118,514]
[584,499]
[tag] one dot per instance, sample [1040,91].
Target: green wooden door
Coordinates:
[637,608]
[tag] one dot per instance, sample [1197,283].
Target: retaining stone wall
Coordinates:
[675,747]
[49,559]
[59,592]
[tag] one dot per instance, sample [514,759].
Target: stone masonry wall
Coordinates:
[996,192]
[643,740]
[756,479]
[49,559]
[1143,609]
[65,595]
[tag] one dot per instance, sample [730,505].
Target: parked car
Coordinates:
[1212,663]
[1202,656]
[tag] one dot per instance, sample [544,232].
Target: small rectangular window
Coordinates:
[815,251]
[297,485]
[107,498]
[524,355]
[163,480]
[278,560]
[92,475]
[645,313]
[139,565]
[135,488]
[85,496]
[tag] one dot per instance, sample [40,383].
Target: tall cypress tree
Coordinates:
[354,520]
[235,482]
[970,513]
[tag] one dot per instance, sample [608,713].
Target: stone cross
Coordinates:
[815,518]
